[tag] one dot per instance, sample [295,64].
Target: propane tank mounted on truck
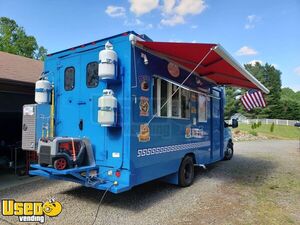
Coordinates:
[107,113]
[42,92]
[125,110]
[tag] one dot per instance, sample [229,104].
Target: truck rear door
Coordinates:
[91,88]
[76,101]
[77,106]
[67,92]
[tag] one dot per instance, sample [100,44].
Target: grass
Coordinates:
[280,131]
[271,194]
[253,132]
[276,198]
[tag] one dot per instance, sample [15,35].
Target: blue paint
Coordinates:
[138,162]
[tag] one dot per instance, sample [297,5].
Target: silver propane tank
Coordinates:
[42,92]
[107,113]
[108,62]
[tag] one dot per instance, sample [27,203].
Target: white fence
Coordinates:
[269,121]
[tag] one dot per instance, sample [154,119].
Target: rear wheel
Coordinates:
[186,172]
[60,164]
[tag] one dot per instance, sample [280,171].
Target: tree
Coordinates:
[289,94]
[271,78]
[281,103]
[13,39]
[41,53]
[230,107]
[288,109]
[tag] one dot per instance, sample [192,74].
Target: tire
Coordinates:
[186,172]
[60,163]
[228,154]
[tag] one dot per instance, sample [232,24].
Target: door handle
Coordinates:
[81,103]
[80,125]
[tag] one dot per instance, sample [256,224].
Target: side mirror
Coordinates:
[234,123]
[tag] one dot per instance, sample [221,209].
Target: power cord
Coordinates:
[96,216]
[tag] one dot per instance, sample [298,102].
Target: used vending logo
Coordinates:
[31,211]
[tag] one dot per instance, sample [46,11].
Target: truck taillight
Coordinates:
[118,173]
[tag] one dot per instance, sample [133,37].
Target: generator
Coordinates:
[63,152]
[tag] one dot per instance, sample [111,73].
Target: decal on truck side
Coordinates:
[170,148]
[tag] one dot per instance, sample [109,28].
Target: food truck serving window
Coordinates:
[92,79]
[164,106]
[69,78]
[202,109]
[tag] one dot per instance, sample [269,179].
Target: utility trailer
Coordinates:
[125,110]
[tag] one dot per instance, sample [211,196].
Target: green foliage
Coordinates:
[270,77]
[231,103]
[272,127]
[13,39]
[287,109]
[289,94]
[281,103]
[41,53]
[253,132]
[280,131]
[254,126]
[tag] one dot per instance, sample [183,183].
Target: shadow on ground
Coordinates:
[244,170]
[240,170]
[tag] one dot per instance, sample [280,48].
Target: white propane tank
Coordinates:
[107,113]
[108,62]
[42,92]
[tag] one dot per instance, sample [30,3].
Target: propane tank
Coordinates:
[108,62]
[107,113]
[42,92]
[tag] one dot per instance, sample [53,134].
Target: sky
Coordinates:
[267,31]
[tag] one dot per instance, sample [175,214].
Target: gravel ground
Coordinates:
[260,185]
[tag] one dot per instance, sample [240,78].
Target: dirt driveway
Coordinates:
[260,185]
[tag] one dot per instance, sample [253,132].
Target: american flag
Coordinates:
[253,99]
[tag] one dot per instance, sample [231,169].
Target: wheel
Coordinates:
[60,163]
[186,172]
[229,151]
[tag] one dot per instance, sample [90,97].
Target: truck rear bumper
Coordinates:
[86,175]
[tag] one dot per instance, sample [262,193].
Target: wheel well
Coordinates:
[191,154]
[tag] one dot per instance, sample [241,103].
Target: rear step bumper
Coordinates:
[83,175]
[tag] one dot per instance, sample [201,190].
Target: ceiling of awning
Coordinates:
[217,66]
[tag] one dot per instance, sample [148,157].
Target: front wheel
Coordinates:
[229,151]
[186,172]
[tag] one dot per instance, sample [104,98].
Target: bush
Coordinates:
[272,127]
[254,126]
[259,124]
[252,132]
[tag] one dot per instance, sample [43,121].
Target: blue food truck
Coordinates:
[121,111]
